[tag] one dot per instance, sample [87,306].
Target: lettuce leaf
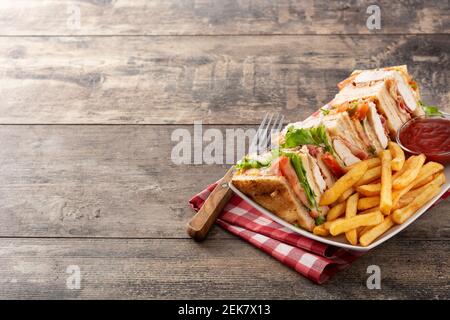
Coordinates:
[249,163]
[301,174]
[321,134]
[296,137]
[302,136]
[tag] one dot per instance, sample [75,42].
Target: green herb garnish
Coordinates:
[320,220]
[432,111]
[325,111]
[352,107]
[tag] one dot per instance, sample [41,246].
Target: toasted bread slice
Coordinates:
[276,195]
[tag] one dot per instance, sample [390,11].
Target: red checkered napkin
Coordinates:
[315,260]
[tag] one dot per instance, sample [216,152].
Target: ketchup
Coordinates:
[430,136]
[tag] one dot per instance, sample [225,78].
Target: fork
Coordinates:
[199,226]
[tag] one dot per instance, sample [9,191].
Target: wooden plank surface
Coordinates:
[109,199]
[161,80]
[218,17]
[114,181]
[167,269]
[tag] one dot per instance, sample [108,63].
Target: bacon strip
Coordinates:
[361,154]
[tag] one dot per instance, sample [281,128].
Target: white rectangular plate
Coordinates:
[340,241]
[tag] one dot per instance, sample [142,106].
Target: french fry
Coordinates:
[352,237]
[369,190]
[397,194]
[371,163]
[343,183]
[399,173]
[336,211]
[427,171]
[369,176]
[343,225]
[413,165]
[422,182]
[364,230]
[352,206]
[370,235]
[350,211]
[401,215]
[345,195]
[398,156]
[359,230]
[438,180]
[370,210]
[368,202]
[327,224]
[386,182]
[321,231]
[402,202]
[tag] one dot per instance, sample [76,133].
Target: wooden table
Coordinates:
[88,106]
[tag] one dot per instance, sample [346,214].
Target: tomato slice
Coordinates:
[332,164]
[361,111]
[289,173]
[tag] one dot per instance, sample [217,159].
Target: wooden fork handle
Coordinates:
[203,220]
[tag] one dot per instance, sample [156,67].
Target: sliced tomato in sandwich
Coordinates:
[361,111]
[289,173]
[332,164]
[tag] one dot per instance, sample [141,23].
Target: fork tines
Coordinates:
[262,140]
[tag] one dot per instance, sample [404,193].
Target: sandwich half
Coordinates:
[289,183]
[392,90]
[402,86]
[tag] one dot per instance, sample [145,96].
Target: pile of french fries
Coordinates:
[375,194]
